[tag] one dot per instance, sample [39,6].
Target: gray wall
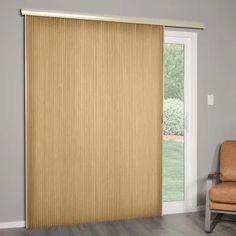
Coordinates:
[216,70]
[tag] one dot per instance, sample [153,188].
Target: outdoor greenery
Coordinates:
[173,150]
[173,171]
[174,71]
[173,116]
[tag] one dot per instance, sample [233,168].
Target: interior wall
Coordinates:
[216,69]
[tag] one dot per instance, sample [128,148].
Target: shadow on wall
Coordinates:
[201,182]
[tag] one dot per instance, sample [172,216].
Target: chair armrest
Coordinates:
[213,179]
[213,175]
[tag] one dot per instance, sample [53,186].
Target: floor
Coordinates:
[190,224]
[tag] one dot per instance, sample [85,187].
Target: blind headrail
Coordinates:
[113,18]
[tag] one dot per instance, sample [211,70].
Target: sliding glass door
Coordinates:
[179,134]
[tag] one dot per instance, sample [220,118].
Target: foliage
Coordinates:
[173,171]
[174,71]
[173,116]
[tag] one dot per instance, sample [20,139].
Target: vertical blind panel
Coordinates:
[94,108]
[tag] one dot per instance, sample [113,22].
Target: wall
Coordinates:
[216,69]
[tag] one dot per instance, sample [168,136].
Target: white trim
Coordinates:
[26,126]
[180,210]
[189,39]
[111,18]
[12,224]
[173,210]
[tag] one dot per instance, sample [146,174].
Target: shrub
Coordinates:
[173,116]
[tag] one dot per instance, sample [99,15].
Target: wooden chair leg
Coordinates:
[211,222]
[208,228]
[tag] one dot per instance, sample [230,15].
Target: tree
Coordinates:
[174,71]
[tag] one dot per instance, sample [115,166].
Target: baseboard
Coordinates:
[12,224]
[179,210]
[169,211]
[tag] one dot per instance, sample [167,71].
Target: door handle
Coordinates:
[186,122]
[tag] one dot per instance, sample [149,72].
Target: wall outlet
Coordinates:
[210,99]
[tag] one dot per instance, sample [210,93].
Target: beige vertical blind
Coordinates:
[94,129]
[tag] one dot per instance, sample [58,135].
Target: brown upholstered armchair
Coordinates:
[221,187]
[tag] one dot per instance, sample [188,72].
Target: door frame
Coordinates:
[189,39]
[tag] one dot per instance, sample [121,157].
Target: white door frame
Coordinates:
[189,39]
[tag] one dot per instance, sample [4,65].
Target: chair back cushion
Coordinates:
[228,161]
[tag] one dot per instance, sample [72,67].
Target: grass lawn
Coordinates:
[173,171]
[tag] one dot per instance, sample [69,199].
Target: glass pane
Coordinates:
[173,143]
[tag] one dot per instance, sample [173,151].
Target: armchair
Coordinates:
[221,187]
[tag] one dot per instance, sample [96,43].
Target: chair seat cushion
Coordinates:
[224,193]
[222,206]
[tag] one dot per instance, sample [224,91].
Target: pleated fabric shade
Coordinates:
[93,120]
